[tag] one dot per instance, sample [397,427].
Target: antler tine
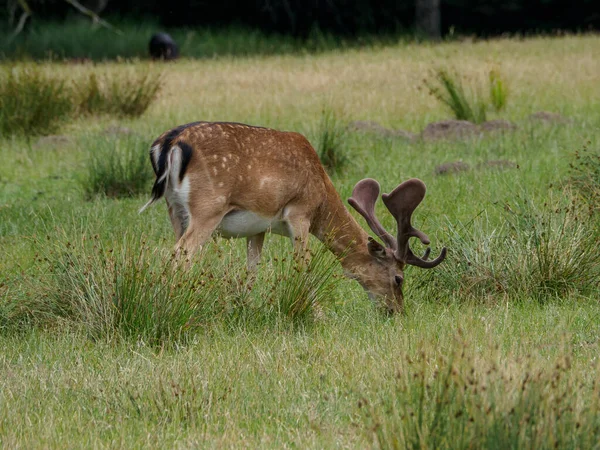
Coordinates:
[422,263]
[402,202]
[364,196]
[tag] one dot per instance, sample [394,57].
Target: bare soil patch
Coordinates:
[375,128]
[449,129]
[497,125]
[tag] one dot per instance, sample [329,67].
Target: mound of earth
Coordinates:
[549,117]
[498,125]
[375,128]
[451,167]
[449,129]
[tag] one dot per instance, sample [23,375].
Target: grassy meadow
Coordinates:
[104,344]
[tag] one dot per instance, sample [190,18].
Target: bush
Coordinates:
[124,96]
[32,102]
[117,168]
[331,141]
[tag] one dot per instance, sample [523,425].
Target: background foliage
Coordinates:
[300,17]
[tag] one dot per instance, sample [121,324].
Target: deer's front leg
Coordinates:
[254,246]
[300,226]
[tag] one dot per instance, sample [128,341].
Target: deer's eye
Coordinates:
[399,280]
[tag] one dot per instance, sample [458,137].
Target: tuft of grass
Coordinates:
[448,88]
[32,102]
[35,103]
[126,96]
[125,290]
[539,253]
[498,91]
[456,401]
[302,285]
[117,168]
[332,138]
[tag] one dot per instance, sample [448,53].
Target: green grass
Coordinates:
[117,167]
[331,143]
[465,104]
[105,343]
[498,91]
[126,96]
[32,102]
[35,102]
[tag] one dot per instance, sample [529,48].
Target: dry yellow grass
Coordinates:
[384,84]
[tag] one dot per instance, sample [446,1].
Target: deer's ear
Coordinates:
[375,248]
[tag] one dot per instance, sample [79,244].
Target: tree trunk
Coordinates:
[428,18]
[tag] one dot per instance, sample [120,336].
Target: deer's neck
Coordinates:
[340,232]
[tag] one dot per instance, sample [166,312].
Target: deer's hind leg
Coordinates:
[179,219]
[201,223]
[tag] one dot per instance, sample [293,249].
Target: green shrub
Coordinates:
[117,167]
[447,87]
[32,102]
[129,95]
[498,91]
[331,142]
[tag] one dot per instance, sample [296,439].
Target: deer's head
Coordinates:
[382,275]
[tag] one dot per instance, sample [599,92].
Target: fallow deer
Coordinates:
[243,181]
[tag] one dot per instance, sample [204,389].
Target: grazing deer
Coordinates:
[242,181]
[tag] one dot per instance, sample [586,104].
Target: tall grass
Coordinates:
[536,252]
[126,288]
[585,177]
[32,102]
[300,287]
[128,95]
[458,401]
[448,88]
[116,167]
[331,142]
[467,103]
[123,290]
[498,91]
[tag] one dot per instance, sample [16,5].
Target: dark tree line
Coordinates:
[347,17]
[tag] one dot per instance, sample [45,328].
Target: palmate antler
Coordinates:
[401,203]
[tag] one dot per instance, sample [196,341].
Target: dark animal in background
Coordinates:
[162,46]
